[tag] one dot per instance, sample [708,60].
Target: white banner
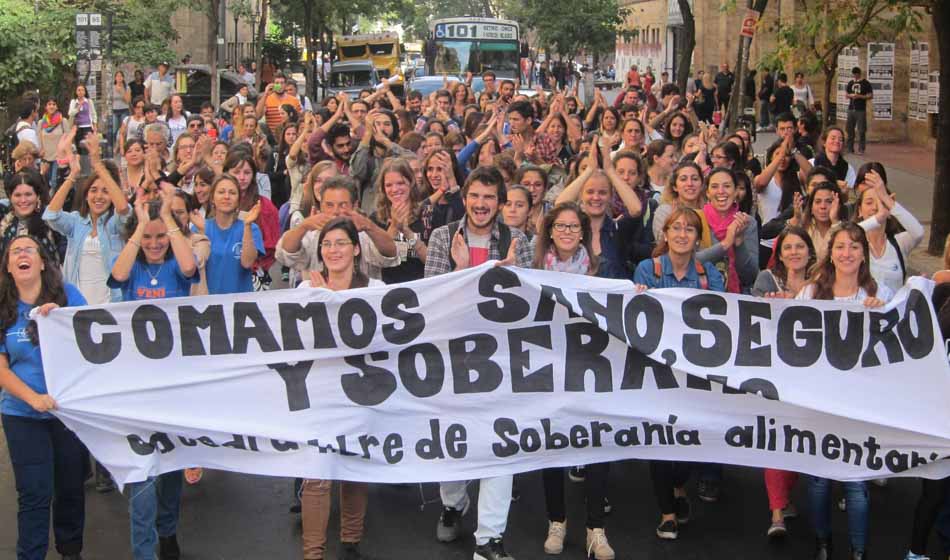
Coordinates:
[491,371]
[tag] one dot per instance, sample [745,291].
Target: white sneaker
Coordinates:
[597,545]
[554,544]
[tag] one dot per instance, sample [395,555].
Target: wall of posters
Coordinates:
[919,100]
[933,93]
[880,73]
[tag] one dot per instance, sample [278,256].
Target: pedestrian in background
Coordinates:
[859,92]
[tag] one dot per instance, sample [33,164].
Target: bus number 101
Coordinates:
[453,31]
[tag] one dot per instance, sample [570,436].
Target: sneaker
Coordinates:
[790,511]
[607,507]
[667,530]
[494,549]
[912,556]
[285,276]
[823,549]
[597,545]
[515,495]
[350,551]
[879,482]
[777,530]
[450,524]
[857,555]
[168,548]
[683,509]
[708,490]
[554,544]
[576,474]
[843,504]
[296,507]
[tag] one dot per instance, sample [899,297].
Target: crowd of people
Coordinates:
[384,190]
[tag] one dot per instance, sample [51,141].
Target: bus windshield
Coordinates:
[458,57]
[353,51]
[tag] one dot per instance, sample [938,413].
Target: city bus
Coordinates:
[473,44]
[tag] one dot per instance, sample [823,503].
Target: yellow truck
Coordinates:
[382,49]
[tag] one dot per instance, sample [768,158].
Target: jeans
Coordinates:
[154,505]
[933,494]
[943,522]
[856,497]
[595,491]
[857,119]
[49,466]
[117,117]
[494,499]
[764,120]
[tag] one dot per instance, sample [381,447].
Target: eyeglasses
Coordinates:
[339,244]
[573,228]
[16,252]
[194,125]
[680,229]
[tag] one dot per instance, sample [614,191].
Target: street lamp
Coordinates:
[255,15]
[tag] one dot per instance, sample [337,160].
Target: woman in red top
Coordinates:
[240,164]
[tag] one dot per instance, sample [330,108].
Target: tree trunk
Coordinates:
[688,43]
[308,42]
[214,25]
[940,213]
[830,86]
[261,34]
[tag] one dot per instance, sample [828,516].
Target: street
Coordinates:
[235,516]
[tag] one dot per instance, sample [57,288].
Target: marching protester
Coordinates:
[398,212]
[339,255]
[843,274]
[471,241]
[50,464]
[157,262]
[28,199]
[229,228]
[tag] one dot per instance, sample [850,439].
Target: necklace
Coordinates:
[154,278]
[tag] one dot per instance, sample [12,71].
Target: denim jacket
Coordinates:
[76,228]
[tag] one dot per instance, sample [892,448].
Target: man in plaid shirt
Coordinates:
[539,148]
[476,241]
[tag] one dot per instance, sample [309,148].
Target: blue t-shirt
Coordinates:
[25,359]
[224,270]
[646,275]
[169,281]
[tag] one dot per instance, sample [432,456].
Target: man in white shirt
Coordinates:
[159,86]
[25,127]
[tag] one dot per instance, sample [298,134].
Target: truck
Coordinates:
[381,49]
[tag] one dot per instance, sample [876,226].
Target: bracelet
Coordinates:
[136,243]
[174,230]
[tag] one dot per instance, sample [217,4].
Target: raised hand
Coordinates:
[317,280]
[253,213]
[512,258]
[459,251]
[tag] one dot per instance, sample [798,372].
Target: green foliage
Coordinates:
[569,27]
[821,29]
[278,47]
[38,51]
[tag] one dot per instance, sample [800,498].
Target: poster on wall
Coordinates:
[923,80]
[881,75]
[933,93]
[848,59]
[914,87]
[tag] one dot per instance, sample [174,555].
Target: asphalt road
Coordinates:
[243,517]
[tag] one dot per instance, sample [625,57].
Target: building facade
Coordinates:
[717,38]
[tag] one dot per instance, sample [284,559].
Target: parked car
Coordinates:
[199,86]
[352,77]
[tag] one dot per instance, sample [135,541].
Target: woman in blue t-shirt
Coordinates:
[49,461]
[236,241]
[156,262]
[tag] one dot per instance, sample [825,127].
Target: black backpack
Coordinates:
[504,239]
[9,143]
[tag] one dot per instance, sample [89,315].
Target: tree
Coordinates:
[569,27]
[38,49]
[687,43]
[823,29]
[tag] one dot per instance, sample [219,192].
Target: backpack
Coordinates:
[9,144]
[700,271]
[900,256]
[504,239]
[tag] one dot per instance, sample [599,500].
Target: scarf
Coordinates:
[840,168]
[719,225]
[579,263]
[49,123]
